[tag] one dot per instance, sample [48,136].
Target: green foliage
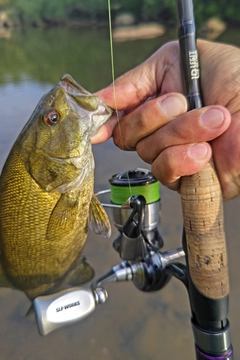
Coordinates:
[59,11]
[165,10]
[35,12]
[223,9]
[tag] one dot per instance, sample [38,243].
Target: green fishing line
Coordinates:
[120,194]
[111,39]
[111,54]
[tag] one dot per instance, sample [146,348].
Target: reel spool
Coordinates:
[135,182]
[128,184]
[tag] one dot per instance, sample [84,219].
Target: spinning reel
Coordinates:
[135,204]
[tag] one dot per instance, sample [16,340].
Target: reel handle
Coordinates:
[66,307]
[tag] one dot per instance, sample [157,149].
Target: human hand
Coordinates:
[174,142]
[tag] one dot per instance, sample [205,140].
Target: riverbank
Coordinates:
[125,27]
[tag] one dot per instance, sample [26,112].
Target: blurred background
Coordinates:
[39,42]
[73,12]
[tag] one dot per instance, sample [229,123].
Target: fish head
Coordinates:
[59,133]
[66,118]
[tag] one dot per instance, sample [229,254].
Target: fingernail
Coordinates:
[198,151]
[212,118]
[173,106]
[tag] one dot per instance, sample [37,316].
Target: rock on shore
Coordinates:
[213,28]
[140,31]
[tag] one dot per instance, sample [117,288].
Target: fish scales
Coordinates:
[46,194]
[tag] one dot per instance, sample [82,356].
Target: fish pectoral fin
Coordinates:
[98,219]
[81,274]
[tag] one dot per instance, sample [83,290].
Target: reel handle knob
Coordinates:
[66,307]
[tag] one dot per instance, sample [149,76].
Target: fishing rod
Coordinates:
[135,203]
[203,236]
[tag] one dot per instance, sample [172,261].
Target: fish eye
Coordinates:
[51,118]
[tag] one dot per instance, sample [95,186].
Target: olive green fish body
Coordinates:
[46,195]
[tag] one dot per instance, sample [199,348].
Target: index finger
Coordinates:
[146,80]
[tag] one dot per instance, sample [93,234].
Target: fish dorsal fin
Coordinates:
[98,219]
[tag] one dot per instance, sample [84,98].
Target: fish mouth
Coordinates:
[87,106]
[72,87]
[83,97]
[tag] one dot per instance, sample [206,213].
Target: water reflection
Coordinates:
[44,54]
[131,325]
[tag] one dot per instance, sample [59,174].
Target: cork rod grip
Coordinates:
[204,227]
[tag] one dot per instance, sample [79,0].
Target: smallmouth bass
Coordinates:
[47,201]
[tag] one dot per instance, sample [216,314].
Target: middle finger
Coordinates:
[198,125]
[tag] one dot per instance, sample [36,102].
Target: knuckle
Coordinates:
[143,151]
[164,169]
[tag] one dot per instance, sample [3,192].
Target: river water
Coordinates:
[130,325]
